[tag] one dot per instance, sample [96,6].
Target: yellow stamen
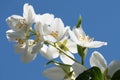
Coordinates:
[54,34]
[85,39]
[21,24]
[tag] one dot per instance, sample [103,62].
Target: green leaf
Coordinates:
[116,75]
[93,73]
[79,22]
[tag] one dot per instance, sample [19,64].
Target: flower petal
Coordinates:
[28,13]
[54,73]
[98,60]
[72,46]
[36,47]
[73,36]
[78,68]
[95,44]
[113,67]
[44,18]
[79,32]
[27,57]
[49,52]
[14,23]
[66,59]
[12,35]
[19,49]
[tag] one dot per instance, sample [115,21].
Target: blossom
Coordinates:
[14,36]
[19,23]
[66,45]
[20,26]
[55,31]
[53,28]
[98,60]
[79,36]
[25,51]
[29,48]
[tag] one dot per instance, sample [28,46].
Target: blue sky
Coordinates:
[101,20]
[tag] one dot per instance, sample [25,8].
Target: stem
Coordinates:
[82,60]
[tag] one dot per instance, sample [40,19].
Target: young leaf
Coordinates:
[79,22]
[93,73]
[116,75]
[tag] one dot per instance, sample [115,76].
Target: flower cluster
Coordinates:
[46,34]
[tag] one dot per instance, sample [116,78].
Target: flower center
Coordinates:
[85,39]
[20,42]
[54,34]
[21,24]
[62,45]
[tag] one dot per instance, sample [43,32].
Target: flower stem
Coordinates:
[82,60]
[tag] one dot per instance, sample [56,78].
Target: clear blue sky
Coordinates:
[101,20]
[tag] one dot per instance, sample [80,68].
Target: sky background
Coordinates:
[101,20]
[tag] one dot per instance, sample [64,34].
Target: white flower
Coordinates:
[14,36]
[79,36]
[67,46]
[28,50]
[19,23]
[55,31]
[52,28]
[98,60]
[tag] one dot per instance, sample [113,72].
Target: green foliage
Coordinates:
[79,22]
[93,73]
[116,75]
[81,50]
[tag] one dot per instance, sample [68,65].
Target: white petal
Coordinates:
[98,60]
[73,36]
[79,32]
[36,47]
[14,22]
[54,73]
[95,44]
[63,33]
[49,52]
[49,38]
[66,59]
[57,25]
[113,67]
[78,68]
[71,46]
[19,49]
[28,13]
[27,57]
[44,18]
[12,35]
